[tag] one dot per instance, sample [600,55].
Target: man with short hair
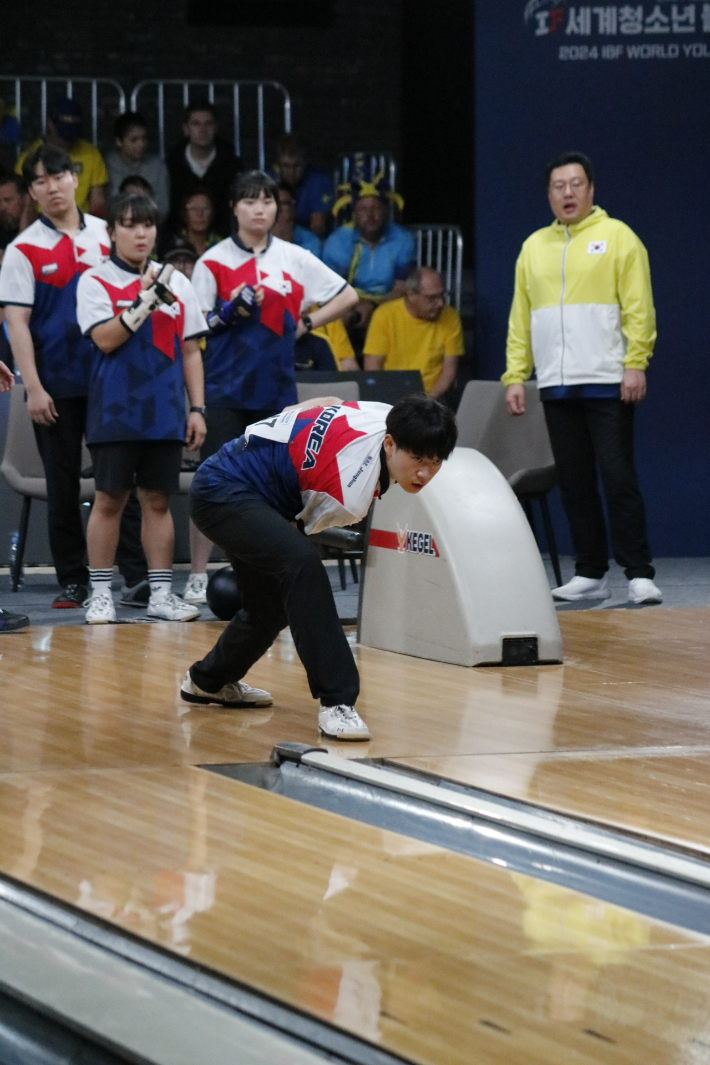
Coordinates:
[316,466]
[38,282]
[312,189]
[64,129]
[130,159]
[375,254]
[15,206]
[583,318]
[287,228]
[202,160]
[419,331]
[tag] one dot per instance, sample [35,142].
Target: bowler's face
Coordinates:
[570,193]
[411,472]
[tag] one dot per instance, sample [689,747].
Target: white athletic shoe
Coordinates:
[582,588]
[100,609]
[196,589]
[643,590]
[171,607]
[342,723]
[236,694]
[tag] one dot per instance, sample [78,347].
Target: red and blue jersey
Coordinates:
[41,269]
[320,465]
[138,391]
[249,366]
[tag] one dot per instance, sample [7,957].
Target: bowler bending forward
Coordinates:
[318,464]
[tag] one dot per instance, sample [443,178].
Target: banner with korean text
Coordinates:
[629,84]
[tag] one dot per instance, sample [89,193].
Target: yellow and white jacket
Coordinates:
[583,307]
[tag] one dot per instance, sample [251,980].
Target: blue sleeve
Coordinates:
[406,255]
[337,252]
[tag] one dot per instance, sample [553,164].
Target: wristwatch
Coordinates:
[198,410]
[307,321]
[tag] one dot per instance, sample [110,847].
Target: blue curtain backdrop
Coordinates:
[629,85]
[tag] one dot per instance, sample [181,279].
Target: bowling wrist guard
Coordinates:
[148,300]
[231,311]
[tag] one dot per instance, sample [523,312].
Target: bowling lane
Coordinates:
[106,697]
[431,954]
[659,792]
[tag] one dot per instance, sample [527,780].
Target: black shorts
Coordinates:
[150,464]
[225,424]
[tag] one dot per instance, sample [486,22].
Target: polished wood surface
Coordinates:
[431,954]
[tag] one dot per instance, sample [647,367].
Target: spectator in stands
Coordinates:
[144,322]
[583,318]
[64,129]
[9,135]
[202,160]
[375,255]
[287,228]
[311,189]
[196,230]
[326,348]
[130,158]
[255,290]
[10,622]
[419,331]
[16,208]
[38,282]
[183,259]
[136,184]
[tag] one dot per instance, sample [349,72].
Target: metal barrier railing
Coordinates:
[235,87]
[371,162]
[22,83]
[441,247]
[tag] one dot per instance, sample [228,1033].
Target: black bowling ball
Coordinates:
[223,596]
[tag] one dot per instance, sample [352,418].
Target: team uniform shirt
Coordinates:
[410,343]
[138,391]
[372,271]
[321,466]
[249,365]
[582,310]
[41,269]
[88,164]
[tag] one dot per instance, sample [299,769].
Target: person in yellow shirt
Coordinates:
[64,128]
[419,331]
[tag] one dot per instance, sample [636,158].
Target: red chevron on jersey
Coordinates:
[52,266]
[228,278]
[167,322]
[279,297]
[315,448]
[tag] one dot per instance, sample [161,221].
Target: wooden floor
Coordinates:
[437,956]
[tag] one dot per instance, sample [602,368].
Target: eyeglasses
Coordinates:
[435,297]
[576,185]
[198,208]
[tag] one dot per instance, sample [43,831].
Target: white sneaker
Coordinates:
[582,588]
[643,590]
[196,589]
[171,607]
[100,609]
[342,723]
[235,694]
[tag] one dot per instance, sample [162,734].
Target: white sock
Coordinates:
[101,581]
[161,582]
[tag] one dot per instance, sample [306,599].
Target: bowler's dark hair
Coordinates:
[54,160]
[140,208]
[423,426]
[565,159]
[127,121]
[250,185]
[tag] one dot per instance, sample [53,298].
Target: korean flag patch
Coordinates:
[50,268]
[596,247]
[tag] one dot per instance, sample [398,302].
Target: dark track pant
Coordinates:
[60,450]
[282,582]
[597,434]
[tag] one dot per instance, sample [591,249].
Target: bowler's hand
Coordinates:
[40,406]
[633,386]
[515,399]
[7,378]
[196,432]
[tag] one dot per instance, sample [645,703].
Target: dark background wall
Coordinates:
[646,125]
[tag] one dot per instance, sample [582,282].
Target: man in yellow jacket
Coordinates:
[583,318]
